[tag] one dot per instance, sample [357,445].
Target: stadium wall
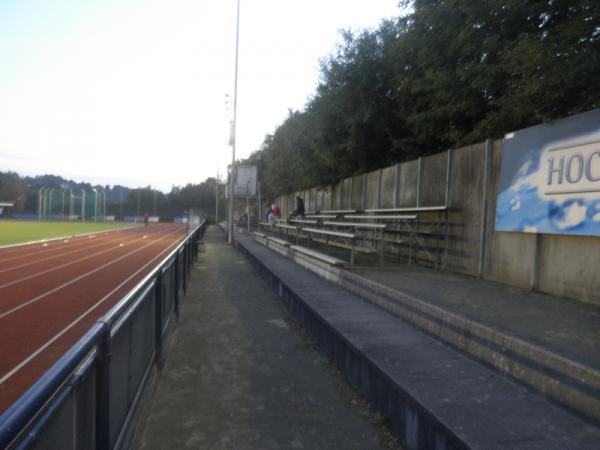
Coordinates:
[467,180]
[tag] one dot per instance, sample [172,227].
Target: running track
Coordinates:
[51,293]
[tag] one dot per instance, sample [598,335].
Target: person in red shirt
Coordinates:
[276,212]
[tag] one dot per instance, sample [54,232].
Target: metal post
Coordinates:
[419,164]
[448,177]
[379,173]
[82,205]
[50,204]
[158,314]
[484,206]
[234,125]
[217,199]
[351,190]
[40,204]
[248,213]
[364,192]
[138,205]
[396,187]
[259,218]
[103,356]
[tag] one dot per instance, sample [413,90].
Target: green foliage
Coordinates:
[450,73]
[120,200]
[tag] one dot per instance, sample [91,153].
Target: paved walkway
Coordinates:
[238,375]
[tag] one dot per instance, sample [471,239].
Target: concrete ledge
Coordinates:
[433,396]
[570,383]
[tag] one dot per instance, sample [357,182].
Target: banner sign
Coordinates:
[550,178]
[245,181]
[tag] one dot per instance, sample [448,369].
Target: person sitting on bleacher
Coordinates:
[276,212]
[299,211]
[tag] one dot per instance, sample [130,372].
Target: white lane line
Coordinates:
[74,280]
[108,241]
[76,321]
[81,244]
[60,255]
[52,269]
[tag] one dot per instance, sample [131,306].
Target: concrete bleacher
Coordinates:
[512,330]
[446,358]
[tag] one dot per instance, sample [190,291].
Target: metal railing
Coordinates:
[88,399]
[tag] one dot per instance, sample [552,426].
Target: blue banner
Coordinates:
[550,178]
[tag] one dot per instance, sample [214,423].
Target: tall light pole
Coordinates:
[217,198]
[95,204]
[138,211]
[233,128]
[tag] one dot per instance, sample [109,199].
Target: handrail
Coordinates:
[28,406]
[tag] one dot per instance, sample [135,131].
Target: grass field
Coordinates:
[18,231]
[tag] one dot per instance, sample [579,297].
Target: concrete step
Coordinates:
[573,383]
[434,396]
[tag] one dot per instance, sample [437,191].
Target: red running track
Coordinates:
[51,293]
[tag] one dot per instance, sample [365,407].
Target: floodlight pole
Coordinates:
[50,204]
[217,198]
[233,128]
[138,210]
[70,204]
[40,203]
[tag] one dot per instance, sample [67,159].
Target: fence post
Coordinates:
[396,188]
[419,165]
[158,313]
[103,356]
[484,207]
[379,176]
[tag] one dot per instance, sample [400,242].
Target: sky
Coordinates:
[133,92]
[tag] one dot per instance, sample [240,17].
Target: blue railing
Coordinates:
[88,399]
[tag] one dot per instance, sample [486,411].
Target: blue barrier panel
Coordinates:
[88,398]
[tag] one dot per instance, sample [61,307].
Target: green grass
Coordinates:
[17,231]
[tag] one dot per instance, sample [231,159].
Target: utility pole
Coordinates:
[217,198]
[233,128]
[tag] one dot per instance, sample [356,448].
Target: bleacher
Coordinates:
[418,234]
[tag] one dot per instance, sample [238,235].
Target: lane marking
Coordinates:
[82,244]
[74,280]
[52,269]
[108,241]
[76,321]
[60,255]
